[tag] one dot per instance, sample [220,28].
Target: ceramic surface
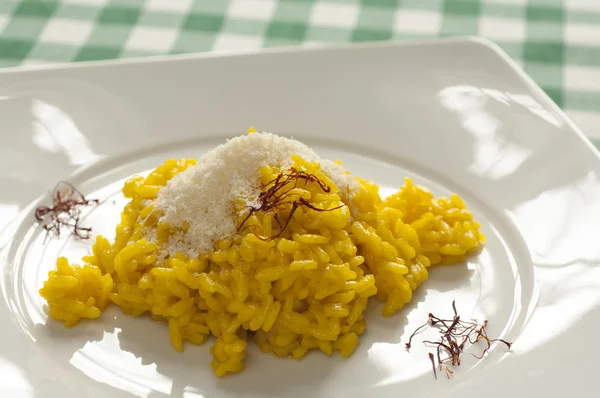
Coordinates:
[456,115]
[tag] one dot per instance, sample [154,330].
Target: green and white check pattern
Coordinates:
[556,41]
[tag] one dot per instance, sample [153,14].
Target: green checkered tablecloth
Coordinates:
[556,41]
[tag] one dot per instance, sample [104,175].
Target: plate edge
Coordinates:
[464,39]
[535,88]
[167,58]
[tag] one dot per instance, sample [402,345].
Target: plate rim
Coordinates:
[288,50]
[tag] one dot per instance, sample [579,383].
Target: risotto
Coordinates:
[260,238]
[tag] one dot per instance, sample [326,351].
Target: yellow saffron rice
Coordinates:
[306,289]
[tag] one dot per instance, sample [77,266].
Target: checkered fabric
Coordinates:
[556,41]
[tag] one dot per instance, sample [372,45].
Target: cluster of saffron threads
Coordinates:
[456,335]
[275,196]
[65,211]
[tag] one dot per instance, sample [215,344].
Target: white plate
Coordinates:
[455,114]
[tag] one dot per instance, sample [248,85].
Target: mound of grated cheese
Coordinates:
[205,195]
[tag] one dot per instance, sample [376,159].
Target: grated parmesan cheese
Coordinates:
[205,195]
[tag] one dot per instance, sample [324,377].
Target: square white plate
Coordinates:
[456,115]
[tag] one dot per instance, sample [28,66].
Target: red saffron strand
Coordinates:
[433,365]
